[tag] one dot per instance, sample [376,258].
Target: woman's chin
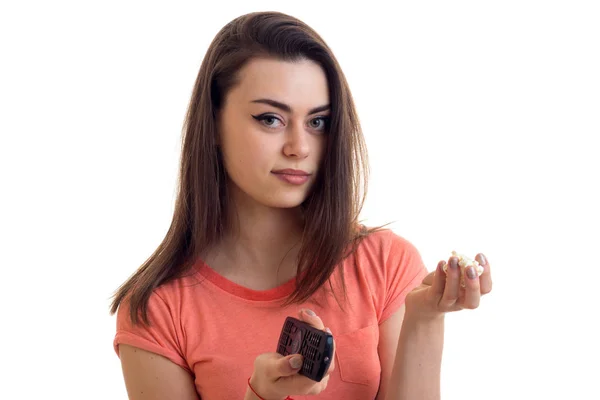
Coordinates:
[285,201]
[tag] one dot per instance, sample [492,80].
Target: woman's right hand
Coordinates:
[275,377]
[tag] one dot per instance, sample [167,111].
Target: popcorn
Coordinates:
[464,262]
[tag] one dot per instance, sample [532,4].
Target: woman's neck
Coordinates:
[260,247]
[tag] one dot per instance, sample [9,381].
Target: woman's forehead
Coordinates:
[300,84]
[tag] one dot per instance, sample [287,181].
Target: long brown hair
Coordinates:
[331,210]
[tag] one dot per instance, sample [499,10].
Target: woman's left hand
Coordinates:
[441,292]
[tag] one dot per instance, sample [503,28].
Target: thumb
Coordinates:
[289,365]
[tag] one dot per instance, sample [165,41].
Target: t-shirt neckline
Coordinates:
[276,293]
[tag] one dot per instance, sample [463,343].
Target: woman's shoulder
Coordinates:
[384,254]
[187,280]
[384,241]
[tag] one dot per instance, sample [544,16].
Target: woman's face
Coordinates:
[275,118]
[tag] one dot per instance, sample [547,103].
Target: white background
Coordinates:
[480,119]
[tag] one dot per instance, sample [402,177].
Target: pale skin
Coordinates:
[410,341]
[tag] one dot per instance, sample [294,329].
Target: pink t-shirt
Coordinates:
[214,328]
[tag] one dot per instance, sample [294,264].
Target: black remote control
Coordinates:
[314,345]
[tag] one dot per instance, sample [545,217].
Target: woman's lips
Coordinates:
[294,179]
[289,171]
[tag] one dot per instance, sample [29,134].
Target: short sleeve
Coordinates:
[404,271]
[161,336]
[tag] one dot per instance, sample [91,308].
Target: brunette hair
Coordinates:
[331,210]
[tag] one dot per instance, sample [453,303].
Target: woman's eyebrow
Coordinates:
[287,108]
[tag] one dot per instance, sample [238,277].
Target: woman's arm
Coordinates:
[418,361]
[149,376]
[410,352]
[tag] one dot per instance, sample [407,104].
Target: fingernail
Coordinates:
[481,260]
[310,312]
[296,362]
[453,262]
[441,265]
[471,274]
[328,330]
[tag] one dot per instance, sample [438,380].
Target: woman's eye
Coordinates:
[319,123]
[269,121]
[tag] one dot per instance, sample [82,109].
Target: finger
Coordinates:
[439,280]
[277,366]
[452,287]
[311,318]
[485,280]
[472,289]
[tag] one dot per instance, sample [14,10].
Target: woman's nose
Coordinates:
[296,143]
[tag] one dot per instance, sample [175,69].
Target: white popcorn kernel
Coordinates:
[464,262]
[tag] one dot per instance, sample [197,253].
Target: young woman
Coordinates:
[272,180]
